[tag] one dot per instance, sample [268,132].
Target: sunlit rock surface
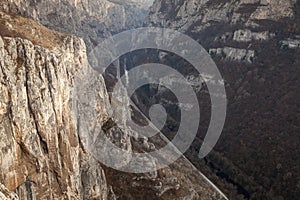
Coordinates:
[41,155]
[205,12]
[90,19]
[49,96]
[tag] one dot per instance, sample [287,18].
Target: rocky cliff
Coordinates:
[89,19]
[228,24]
[255,44]
[44,109]
[184,14]
[41,156]
[46,84]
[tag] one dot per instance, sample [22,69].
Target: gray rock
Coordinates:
[39,140]
[234,54]
[90,19]
[50,97]
[290,43]
[208,12]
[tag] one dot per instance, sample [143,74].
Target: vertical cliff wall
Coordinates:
[49,97]
[41,156]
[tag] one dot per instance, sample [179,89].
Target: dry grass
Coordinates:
[16,26]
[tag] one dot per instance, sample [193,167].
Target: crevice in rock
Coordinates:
[78,135]
[50,88]
[30,109]
[29,191]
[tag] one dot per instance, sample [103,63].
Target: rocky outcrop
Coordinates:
[248,36]
[272,10]
[5,194]
[291,43]
[41,156]
[184,14]
[245,35]
[49,98]
[246,20]
[234,54]
[92,20]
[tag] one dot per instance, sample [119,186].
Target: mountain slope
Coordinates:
[255,44]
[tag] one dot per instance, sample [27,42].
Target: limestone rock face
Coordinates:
[89,19]
[50,98]
[233,24]
[5,194]
[230,53]
[41,156]
[204,13]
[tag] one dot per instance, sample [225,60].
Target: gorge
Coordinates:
[46,77]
